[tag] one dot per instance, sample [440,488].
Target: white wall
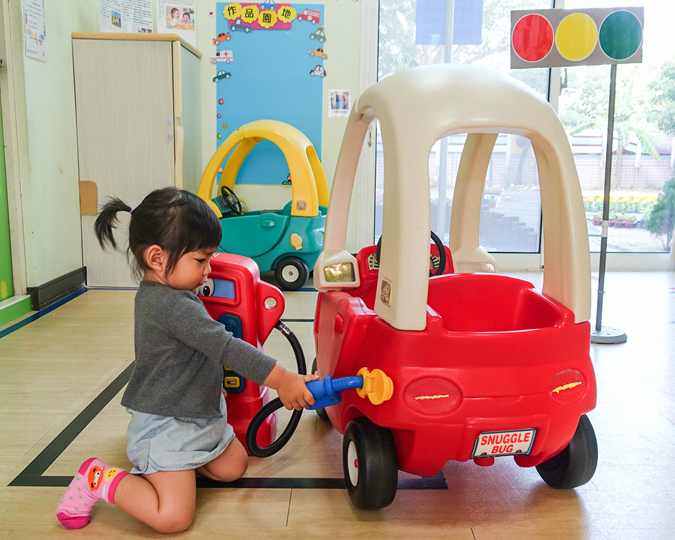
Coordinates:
[46,141]
[45,168]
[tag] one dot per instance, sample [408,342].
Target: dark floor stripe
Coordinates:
[32,474]
[41,313]
[436,482]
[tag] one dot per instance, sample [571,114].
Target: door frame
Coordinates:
[13,102]
[365,185]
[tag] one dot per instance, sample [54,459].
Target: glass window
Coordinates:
[410,35]
[642,200]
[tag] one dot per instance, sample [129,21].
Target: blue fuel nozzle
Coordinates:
[326,392]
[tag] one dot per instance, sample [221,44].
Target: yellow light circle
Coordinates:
[576,36]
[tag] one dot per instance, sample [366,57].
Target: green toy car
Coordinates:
[286,241]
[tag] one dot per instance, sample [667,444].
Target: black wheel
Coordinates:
[369,463]
[291,273]
[231,200]
[576,464]
[441,254]
[321,411]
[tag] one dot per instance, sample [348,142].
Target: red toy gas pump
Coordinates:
[235,296]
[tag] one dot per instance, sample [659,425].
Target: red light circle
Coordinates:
[532,37]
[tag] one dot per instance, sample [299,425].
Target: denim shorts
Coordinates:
[160,443]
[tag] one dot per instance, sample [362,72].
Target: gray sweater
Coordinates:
[180,354]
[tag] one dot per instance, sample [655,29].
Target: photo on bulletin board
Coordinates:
[269,63]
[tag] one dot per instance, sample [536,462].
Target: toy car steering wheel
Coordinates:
[441,254]
[231,200]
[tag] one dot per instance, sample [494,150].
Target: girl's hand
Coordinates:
[291,388]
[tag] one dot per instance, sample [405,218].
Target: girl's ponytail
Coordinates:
[107,220]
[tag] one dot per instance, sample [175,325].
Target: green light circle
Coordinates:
[620,35]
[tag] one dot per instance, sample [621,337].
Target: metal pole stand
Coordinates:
[604,334]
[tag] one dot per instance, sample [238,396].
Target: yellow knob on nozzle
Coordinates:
[376,385]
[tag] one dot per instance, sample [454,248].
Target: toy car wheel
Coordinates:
[369,462]
[321,411]
[311,36]
[291,273]
[576,464]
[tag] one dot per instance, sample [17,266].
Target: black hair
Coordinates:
[176,220]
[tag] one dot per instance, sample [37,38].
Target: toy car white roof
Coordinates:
[415,108]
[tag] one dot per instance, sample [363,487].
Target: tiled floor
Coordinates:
[54,367]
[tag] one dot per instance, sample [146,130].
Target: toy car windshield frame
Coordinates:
[415,108]
[310,190]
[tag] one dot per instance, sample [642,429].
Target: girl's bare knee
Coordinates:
[241,467]
[174,523]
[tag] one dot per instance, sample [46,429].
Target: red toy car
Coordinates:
[479,365]
[310,15]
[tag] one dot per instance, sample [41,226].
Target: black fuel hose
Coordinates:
[275,404]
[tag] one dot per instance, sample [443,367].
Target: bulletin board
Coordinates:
[268,63]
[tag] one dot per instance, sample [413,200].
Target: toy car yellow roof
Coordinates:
[415,108]
[310,189]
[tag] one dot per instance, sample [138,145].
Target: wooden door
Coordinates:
[125,133]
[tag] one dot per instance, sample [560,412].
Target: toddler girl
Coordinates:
[178,414]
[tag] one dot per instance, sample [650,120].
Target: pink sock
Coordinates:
[94,480]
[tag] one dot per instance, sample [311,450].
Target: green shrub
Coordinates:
[661,220]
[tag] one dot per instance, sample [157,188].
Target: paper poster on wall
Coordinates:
[339,103]
[126,16]
[269,63]
[34,29]
[177,17]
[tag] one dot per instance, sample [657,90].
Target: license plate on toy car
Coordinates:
[504,443]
